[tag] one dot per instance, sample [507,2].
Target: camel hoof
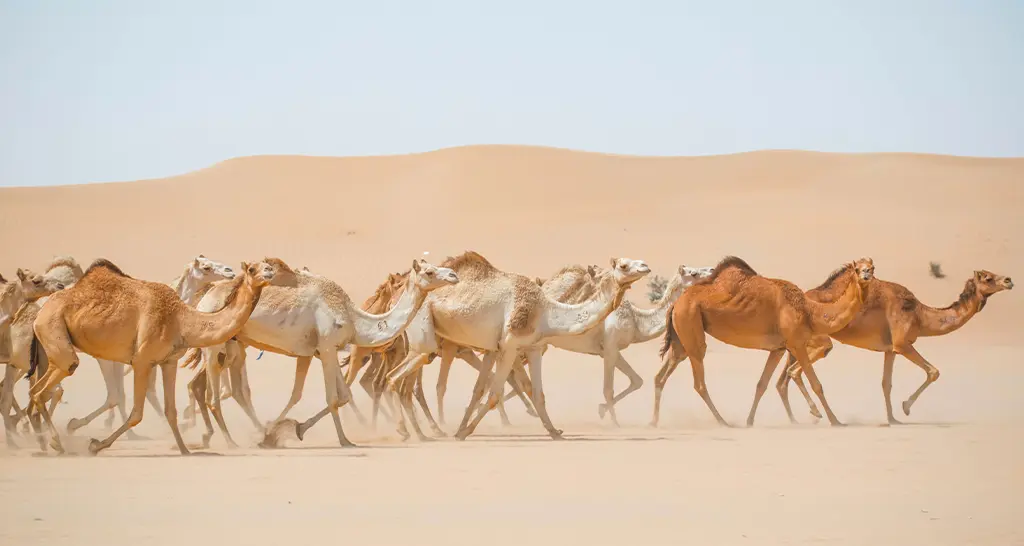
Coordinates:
[894,421]
[815,413]
[838,424]
[94,446]
[438,433]
[73,425]
[206,440]
[461,435]
[906,408]
[653,424]
[601,410]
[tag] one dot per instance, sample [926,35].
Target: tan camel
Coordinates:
[19,301]
[303,315]
[504,313]
[197,276]
[112,316]
[739,307]
[890,321]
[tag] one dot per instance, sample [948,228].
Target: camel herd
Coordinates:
[498,322]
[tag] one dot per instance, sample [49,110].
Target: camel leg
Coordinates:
[796,374]
[301,369]
[189,414]
[801,356]
[169,370]
[370,382]
[11,375]
[405,390]
[214,372]
[890,358]
[240,390]
[782,385]
[351,404]
[38,395]
[199,389]
[151,396]
[393,386]
[447,356]
[911,354]
[635,383]
[118,393]
[521,388]
[774,358]
[335,398]
[700,385]
[422,399]
[483,375]
[669,363]
[113,378]
[141,380]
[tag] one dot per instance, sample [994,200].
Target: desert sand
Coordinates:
[951,476]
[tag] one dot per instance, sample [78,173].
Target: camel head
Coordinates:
[36,286]
[865,269]
[989,283]
[258,274]
[692,274]
[626,271]
[12,296]
[207,270]
[430,277]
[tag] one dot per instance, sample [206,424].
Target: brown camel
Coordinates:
[890,321]
[739,307]
[109,315]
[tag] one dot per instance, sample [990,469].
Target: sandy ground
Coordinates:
[951,476]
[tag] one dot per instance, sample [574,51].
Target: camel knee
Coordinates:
[933,375]
[635,382]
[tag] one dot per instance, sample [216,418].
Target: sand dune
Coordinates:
[954,478]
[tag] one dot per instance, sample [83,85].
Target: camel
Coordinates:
[383,360]
[18,303]
[625,326]
[739,307]
[890,321]
[198,274]
[109,315]
[303,315]
[504,313]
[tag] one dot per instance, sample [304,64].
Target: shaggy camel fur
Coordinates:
[504,313]
[303,315]
[890,321]
[112,316]
[625,326]
[739,307]
[189,286]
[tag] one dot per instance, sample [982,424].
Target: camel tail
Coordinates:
[192,358]
[670,336]
[33,357]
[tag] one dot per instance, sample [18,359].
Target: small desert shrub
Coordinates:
[936,270]
[656,287]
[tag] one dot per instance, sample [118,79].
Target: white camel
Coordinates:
[303,315]
[625,326]
[501,314]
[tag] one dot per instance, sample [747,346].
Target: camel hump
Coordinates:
[729,262]
[103,263]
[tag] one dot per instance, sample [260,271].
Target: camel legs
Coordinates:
[239,379]
[506,359]
[38,396]
[669,362]
[911,354]
[301,370]
[11,375]
[800,352]
[769,368]
[612,361]
[890,358]
[447,356]
[141,380]
[169,369]
[113,374]
[699,385]
[422,399]
[338,394]
[214,369]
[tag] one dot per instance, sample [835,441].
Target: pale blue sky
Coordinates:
[123,90]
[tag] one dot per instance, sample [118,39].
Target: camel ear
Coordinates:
[416,266]
[22,274]
[2,279]
[203,257]
[682,271]
[613,261]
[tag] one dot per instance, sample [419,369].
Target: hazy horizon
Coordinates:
[117,91]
